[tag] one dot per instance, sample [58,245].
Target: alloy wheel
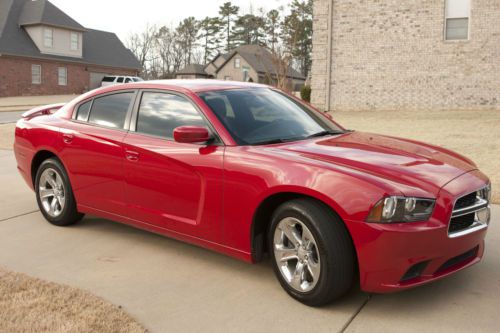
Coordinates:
[296,254]
[52,192]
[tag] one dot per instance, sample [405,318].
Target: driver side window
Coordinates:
[160,113]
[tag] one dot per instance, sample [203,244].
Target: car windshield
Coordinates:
[265,116]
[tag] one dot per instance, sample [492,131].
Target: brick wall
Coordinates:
[15,77]
[389,54]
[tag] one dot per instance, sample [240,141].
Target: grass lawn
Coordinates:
[32,305]
[475,134]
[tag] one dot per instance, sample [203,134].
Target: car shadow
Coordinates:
[430,297]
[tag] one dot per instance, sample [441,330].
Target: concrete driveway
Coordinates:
[10,117]
[171,286]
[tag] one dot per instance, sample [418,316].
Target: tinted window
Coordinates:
[83,111]
[111,110]
[120,80]
[128,80]
[259,116]
[108,79]
[160,114]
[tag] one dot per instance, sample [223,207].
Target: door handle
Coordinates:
[132,156]
[67,138]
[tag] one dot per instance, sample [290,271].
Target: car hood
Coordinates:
[405,161]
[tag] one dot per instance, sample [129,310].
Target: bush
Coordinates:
[305,93]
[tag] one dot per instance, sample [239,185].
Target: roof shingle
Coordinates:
[99,47]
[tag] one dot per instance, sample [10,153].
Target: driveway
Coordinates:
[171,286]
[10,117]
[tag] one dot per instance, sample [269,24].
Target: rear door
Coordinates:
[93,151]
[176,186]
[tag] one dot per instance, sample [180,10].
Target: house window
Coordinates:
[457,14]
[74,41]
[48,37]
[36,74]
[237,63]
[62,76]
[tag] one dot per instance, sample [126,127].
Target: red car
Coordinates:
[245,169]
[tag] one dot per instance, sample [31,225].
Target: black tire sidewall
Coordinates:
[326,228]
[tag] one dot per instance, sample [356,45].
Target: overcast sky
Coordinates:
[126,16]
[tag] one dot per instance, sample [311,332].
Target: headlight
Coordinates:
[401,209]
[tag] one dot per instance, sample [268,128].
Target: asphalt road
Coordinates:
[10,117]
[171,286]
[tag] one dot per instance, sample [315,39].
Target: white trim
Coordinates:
[465,12]
[72,45]
[48,41]
[39,67]
[62,80]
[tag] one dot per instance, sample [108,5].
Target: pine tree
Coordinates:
[227,13]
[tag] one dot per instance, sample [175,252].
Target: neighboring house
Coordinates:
[251,63]
[43,51]
[216,62]
[193,71]
[416,55]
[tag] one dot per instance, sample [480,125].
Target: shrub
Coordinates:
[305,93]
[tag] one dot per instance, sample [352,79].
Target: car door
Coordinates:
[93,153]
[176,186]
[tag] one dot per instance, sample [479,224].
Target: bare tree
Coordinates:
[142,44]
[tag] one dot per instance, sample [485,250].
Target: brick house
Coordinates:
[43,51]
[390,54]
[247,63]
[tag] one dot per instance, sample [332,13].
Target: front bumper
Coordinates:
[398,256]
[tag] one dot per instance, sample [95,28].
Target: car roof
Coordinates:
[196,85]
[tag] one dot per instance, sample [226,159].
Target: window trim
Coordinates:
[445,25]
[45,30]
[71,44]
[39,74]
[135,116]
[65,76]
[237,62]
[126,126]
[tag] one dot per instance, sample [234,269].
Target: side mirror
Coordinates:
[191,134]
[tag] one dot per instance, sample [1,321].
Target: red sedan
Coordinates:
[245,169]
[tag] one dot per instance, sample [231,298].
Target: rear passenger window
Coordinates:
[111,110]
[82,113]
[120,80]
[161,113]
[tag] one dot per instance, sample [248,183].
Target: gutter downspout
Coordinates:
[329,57]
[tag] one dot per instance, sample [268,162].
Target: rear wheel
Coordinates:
[54,194]
[311,251]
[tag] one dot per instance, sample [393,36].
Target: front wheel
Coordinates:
[54,194]
[311,251]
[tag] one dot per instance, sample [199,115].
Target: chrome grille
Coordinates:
[471,213]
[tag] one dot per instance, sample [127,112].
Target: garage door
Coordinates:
[95,79]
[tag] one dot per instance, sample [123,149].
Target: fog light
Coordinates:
[484,216]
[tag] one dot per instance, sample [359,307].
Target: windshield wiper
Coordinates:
[324,133]
[270,142]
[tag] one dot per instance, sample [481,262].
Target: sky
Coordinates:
[126,16]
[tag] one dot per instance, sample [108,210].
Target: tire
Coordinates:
[314,272]
[54,194]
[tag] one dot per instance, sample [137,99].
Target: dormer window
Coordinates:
[48,37]
[74,41]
